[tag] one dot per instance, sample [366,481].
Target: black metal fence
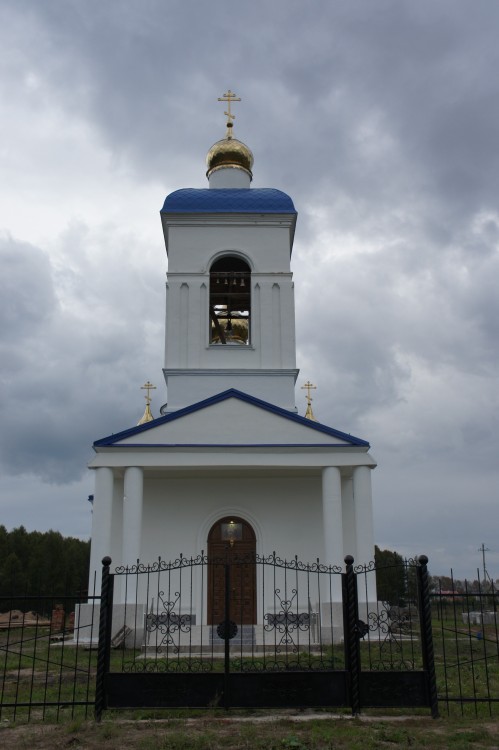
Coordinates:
[252,631]
[466,633]
[47,666]
[397,651]
[255,631]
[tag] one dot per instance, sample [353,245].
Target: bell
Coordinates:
[242,282]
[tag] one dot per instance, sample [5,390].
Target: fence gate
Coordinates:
[392,656]
[242,630]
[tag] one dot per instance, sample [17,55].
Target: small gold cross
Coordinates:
[309,414]
[309,387]
[148,387]
[229,97]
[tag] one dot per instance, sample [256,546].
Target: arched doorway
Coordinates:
[232,540]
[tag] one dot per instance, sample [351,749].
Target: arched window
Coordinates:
[230,301]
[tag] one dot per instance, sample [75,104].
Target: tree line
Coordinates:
[49,564]
[395,579]
[42,564]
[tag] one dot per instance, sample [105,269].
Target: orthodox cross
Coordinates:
[148,387]
[229,97]
[309,387]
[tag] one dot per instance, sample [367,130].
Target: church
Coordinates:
[230,460]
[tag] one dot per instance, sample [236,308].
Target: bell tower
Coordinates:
[230,297]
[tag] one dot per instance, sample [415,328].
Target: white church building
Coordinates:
[230,457]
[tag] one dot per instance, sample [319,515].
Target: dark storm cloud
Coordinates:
[378,117]
[372,98]
[27,296]
[68,371]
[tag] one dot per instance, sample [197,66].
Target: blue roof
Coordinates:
[228,200]
[233,393]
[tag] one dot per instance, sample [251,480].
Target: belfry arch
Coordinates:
[230,301]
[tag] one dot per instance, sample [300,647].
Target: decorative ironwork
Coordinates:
[391,625]
[286,622]
[295,564]
[202,559]
[362,629]
[302,631]
[227,629]
[161,565]
[184,665]
[393,665]
[168,623]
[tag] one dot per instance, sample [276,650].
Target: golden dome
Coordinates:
[229,153]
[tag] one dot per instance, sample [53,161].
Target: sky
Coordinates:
[380,118]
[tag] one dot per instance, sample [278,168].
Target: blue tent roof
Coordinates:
[228,200]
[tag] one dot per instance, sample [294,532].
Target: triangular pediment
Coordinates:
[231,418]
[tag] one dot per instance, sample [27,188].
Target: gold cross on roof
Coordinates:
[229,97]
[309,414]
[148,387]
[309,387]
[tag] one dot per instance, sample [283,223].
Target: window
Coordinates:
[230,302]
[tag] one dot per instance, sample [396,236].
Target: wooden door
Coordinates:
[231,540]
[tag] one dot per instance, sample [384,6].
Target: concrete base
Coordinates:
[128,627]
[128,616]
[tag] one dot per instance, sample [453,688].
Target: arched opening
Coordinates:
[232,540]
[230,301]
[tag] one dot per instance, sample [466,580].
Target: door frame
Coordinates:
[220,550]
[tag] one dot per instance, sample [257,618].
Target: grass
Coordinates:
[275,733]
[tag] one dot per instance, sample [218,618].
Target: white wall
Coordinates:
[285,512]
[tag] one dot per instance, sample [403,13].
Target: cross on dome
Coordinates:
[229,97]
[229,153]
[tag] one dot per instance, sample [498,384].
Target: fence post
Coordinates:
[104,647]
[427,633]
[227,636]
[351,635]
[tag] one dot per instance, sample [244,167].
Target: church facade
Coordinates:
[230,459]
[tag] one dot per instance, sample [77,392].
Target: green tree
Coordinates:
[12,578]
[41,564]
[391,579]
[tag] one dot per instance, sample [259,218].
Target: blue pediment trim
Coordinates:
[218,398]
[235,445]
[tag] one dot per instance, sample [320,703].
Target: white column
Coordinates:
[132,514]
[364,527]
[102,512]
[332,516]
[362,498]
[333,543]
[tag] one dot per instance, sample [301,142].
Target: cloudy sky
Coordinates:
[379,117]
